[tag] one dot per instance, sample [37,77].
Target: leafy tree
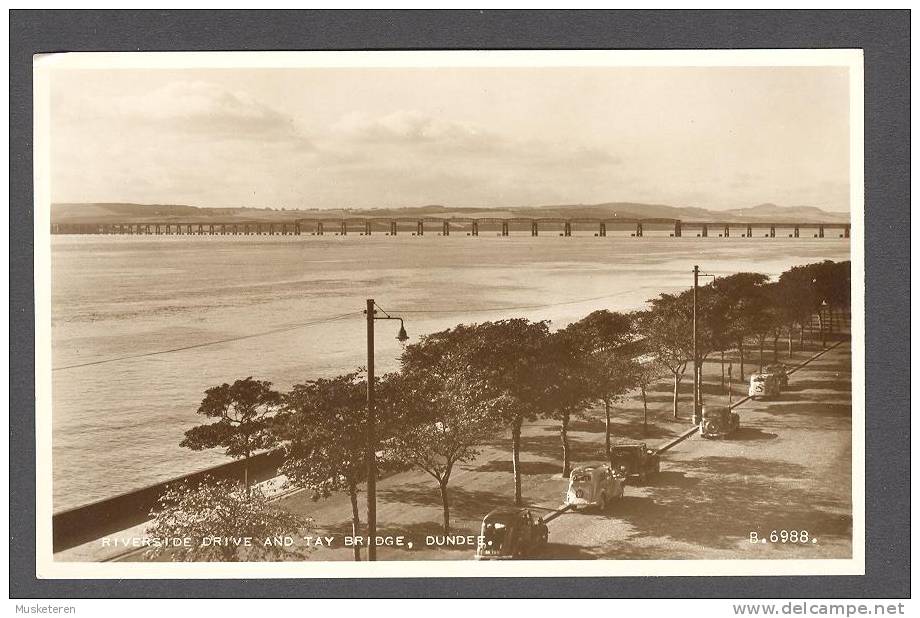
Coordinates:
[568,381]
[645,371]
[739,302]
[607,367]
[668,332]
[503,359]
[325,425]
[799,299]
[246,413]
[442,418]
[189,520]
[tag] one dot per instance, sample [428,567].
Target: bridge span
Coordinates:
[418,226]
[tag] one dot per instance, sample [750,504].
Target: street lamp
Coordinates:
[371,452]
[696,356]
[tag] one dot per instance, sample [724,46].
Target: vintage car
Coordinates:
[511,533]
[594,485]
[635,460]
[779,370]
[718,421]
[764,385]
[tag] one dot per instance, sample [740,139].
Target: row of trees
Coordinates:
[461,387]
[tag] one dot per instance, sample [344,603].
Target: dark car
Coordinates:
[635,460]
[718,422]
[511,533]
[779,370]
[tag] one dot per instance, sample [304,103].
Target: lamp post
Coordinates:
[371,452]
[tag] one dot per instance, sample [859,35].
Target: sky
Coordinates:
[709,137]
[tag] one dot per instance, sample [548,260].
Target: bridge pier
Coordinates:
[705,232]
[297,229]
[602,231]
[236,229]
[475,227]
[795,232]
[344,228]
[820,231]
[750,232]
[504,228]
[846,231]
[772,231]
[319,228]
[392,228]
[420,228]
[367,228]
[639,229]
[727,232]
[446,228]
[677,230]
[534,228]
[567,230]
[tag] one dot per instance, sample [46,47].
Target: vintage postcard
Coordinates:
[484,313]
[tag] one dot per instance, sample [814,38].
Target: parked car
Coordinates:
[718,421]
[778,370]
[635,460]
[511,533]
[764,385]
[594,485]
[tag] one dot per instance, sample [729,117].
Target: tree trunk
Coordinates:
[607,431]
[775,347]
[802,337]
[564,434]
[761,352]
[789,332]
[821,327]
[645,408]
[676,394]
[741,361]
[246,454]
[722,353]
[516,459]
[355,519]
[445,502]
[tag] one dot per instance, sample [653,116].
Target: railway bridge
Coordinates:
[443,226]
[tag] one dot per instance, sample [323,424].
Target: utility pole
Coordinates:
[696,358]
[371,453]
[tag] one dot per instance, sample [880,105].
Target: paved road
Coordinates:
[788,468]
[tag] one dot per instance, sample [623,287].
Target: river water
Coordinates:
[171,316]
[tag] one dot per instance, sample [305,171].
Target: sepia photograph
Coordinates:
[449,313]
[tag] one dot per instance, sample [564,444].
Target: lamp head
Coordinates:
[402,337]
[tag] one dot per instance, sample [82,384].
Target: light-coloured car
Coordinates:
[764,385]
[595,485]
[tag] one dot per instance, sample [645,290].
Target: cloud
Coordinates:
[412,128]
[192,109]
[408,133]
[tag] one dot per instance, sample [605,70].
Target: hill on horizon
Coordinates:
[144,213]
